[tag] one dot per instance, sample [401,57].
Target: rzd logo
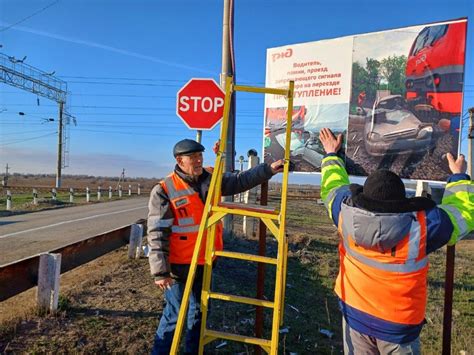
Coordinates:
[421,59]
[286,54]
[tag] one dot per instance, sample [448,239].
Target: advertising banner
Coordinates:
[396,97]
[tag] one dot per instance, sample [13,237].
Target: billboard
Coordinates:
[395,95]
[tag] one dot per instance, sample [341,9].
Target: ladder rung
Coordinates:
[241,299]
[245,208]
[212,335]
[263,90]
[247,257]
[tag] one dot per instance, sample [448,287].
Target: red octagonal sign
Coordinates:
[200,103]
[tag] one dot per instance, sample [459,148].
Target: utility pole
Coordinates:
[470,137]
[228,69]
[60,145]
[5,178]
[121,178]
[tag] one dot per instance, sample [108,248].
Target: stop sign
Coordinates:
[200,103]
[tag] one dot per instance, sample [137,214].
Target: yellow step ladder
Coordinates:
[214,211]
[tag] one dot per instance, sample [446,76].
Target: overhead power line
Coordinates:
[122,84]
[133,126]
[28,17]
[178,134]
[123,95]
[183,81]
[28,132]
[120,107]
[27,139]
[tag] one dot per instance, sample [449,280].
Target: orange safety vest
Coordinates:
[187,209]
[392,285]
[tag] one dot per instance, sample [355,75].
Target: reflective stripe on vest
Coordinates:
[461,222]
[174,193]
[189,229]
[187,208]
[185,221]
[329,162]
[451,190]
[413,249]
[159,223]
[391,285]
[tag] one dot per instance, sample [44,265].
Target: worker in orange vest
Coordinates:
[385,239]
[361,98]
[175,209]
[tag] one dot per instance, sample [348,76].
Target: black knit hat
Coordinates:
[384,191]
[187,146]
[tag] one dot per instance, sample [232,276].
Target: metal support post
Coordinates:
[448,299]
[262,247]
[470,136]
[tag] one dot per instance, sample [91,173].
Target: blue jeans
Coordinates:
[164,333]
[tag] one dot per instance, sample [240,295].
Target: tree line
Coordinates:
[386,74]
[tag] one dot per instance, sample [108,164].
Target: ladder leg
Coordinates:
[278,296]
[281,264]
[213,198]
[283,284]
[206,284]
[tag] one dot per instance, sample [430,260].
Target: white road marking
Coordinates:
[71,221]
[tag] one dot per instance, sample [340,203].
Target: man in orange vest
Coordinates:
[385,239]
[175,210]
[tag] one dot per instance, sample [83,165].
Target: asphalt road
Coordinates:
[28,234]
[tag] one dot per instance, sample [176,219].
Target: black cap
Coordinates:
[384,192]
[187,146]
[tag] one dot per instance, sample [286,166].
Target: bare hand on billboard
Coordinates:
[277,166]
[457,166]
[330,143]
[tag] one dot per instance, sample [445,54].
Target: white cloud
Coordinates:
[106,48]
[381,45]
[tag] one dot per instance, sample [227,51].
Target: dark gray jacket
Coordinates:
[160,215]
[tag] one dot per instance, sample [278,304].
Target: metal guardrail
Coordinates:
[22,275]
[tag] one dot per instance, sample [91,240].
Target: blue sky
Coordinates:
[124,61]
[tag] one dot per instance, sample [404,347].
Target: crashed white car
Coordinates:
[391,128]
